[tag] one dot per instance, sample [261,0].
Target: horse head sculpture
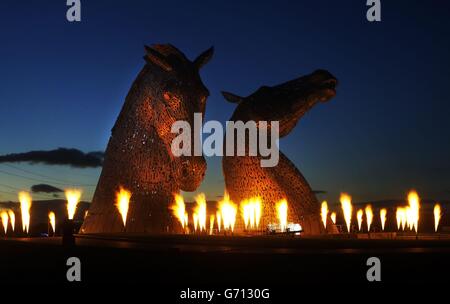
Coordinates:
[139,156]
[244,177]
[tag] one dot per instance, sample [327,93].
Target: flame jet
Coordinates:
[211,224]
[369,216]
[12,219]
[414,206]
[123,203]
[251,212]
[401,218]
[185,220]
[398,217]
[228,212]
[437,216]
[200,211]
[219,220]
[52,220]
[282,212]
[5,219]
[195,220]
[347,209]
[179,210]
[333,217]
[324,213]
[359,218]
[73,198]
[25,205]
[383,213]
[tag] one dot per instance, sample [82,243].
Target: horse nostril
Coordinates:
[331,83]
[166,96]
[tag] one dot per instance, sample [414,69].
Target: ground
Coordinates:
[177,262]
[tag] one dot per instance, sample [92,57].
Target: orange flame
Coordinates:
[211,224]
[347,209]
[359,217]
[73,198]
[5,219]
[179,210]
[404,219]
[437,216]
[333,217]
[282,212]
[369,216]
[324,213]
[228,212]
[195,220]
[414,206]
[123,203]
[52,219]
[401,217]
[398,216]
[200,212]
[185,220]
[409,218]
[219,220]
[12,219]
[383,213]
[251,212]
[25,205]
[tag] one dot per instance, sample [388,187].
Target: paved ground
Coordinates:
[187,261]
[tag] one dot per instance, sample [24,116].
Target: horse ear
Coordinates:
[232,97]
[157,58]
[204,58]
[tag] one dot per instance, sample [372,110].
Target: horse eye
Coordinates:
[171,85]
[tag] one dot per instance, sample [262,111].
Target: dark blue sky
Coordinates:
[387,130]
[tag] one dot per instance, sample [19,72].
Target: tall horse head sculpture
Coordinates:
[139,156]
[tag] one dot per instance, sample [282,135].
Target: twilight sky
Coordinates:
[387,130]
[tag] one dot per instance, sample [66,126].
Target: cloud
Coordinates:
[60,156]
[45,189]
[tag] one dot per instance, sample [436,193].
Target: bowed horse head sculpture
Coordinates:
[286,102]
[244,176]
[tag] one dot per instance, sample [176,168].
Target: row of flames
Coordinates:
[8,216]
[227,211]
[406,216]
[223,220]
